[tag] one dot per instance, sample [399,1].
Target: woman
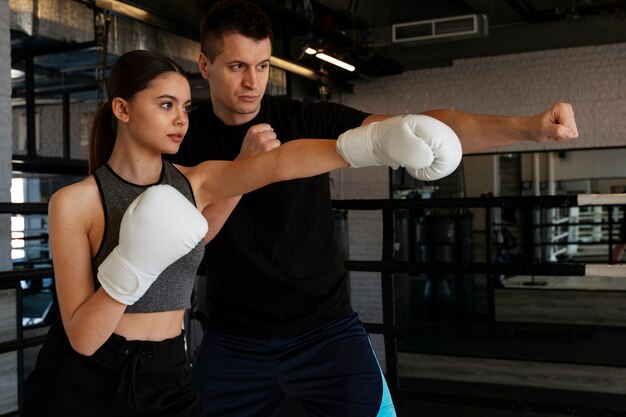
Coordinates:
[119,348]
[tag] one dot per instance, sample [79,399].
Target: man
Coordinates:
[280,322]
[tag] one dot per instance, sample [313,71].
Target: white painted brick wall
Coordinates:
[364,227]
[5,132]
[591,78]
[8,381]
[365,236]
[50,129]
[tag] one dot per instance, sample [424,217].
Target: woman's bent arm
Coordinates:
[89,317]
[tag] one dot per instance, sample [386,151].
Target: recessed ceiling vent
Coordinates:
[444,29]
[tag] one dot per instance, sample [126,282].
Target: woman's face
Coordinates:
[158,115]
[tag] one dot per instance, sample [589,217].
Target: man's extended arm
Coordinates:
[481,132]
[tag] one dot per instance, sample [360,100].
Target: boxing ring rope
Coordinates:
[23,208]
[388,266]
[547,269]
[11,280]
[13,277]
[600,199]
[560,269]
[567,200]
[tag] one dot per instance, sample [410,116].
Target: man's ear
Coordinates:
[120,109]
[203,66]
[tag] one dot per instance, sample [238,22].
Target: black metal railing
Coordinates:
[574,337]
[472,395]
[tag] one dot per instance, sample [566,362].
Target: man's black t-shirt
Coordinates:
[274,268]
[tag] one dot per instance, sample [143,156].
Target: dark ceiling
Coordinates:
[358,31]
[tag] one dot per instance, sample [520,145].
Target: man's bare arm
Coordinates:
[482,132]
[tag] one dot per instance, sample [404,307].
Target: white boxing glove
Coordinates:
[159,227]
[426,147]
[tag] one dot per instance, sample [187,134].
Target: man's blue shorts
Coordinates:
[332,370]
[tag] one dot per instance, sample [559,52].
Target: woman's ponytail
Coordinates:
[102,137]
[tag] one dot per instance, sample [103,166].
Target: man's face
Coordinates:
[238,77]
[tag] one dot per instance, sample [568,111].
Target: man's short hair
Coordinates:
[227,17]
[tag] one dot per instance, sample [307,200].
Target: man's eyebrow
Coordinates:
[238,61]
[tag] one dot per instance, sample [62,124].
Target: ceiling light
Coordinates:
[293,67]
[122,8]
[335,61]
[310,51]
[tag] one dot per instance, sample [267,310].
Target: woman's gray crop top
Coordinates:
[172,289]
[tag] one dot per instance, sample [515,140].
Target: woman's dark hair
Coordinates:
[131,74]
[226,17]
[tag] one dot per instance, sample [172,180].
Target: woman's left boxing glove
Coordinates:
[159,227]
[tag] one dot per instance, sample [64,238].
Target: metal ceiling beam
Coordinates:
[149,17]
[594,9]
[55,91]
[64,82]
[26,47]
[523,8]
[477,6]
[367,60]
[527,10]
[296,20]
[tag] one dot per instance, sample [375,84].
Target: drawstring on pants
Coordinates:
[133,364]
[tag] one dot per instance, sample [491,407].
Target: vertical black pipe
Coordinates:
[389,319]
[66,125]
[29,81]
[611,241]
[489,230]
[19,312]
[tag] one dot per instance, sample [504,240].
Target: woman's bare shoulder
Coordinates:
[77,198]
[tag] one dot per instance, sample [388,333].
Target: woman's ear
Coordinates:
[120,109]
